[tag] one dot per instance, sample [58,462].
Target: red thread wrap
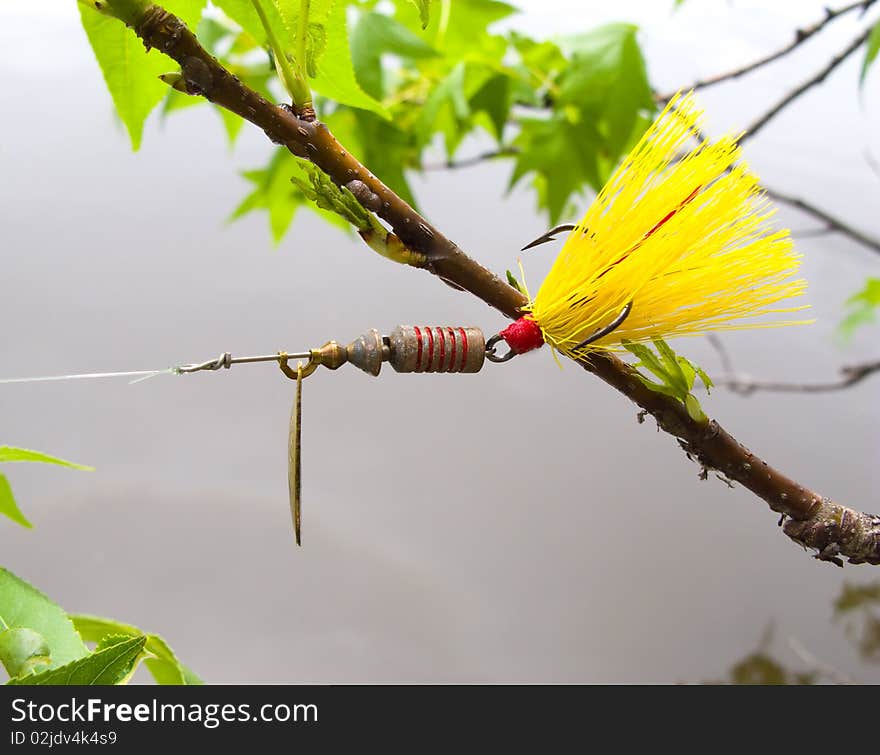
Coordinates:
[523,335]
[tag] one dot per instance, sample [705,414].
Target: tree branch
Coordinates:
[850,375]
[830,221]
[815,522]
[763,120]
[800,36]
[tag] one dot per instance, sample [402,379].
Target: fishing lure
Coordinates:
[409,348]
[676,243]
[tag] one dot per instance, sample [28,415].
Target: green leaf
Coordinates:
[601,101]
[694,410]
[376,34]
[23,606]
[688,370]
[511,279]
[461,30]
[657,387]
[334,76]
[707,381]
[10,454]
[130,74]
[608,82]
[494,98]
[23,651]
[232,124]
[8,506]
[562,153]
[164,666]
[111,664]
[273,192]
[872,48]
[675,376]
[245,15]
[424,7]
[648,359]
[863,307]
[446,110]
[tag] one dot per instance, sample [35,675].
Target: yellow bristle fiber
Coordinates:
[687,238]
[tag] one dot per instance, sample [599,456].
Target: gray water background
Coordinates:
[519,525]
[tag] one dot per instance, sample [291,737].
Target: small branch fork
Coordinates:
[801,89]
[849,376]
[833,530]
[800,36]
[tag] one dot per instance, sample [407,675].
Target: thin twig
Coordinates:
[800,36]
[470,162]
[763,120]
[850,375]
[828,219]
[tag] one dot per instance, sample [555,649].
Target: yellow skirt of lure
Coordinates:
[686,238]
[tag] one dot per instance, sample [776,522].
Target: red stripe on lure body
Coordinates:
[464,347]
[451,350]
[523,335]
[418,333]
[430,332]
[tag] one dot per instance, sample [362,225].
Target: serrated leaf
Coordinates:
[23,651]
[164,665]
[872,48]
[335,77]
[8,505]
[23,606]
[317,44]
[131,74]
[109,665]
[12,454]
[244,14]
